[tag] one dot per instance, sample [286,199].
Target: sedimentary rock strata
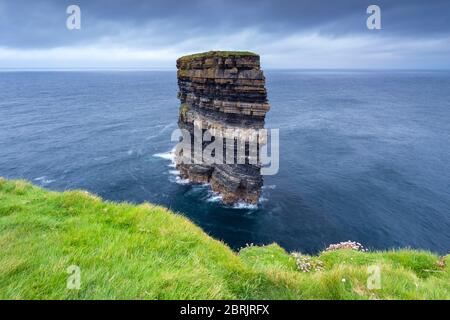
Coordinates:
[223,93]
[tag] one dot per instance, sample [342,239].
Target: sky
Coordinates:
[147,34]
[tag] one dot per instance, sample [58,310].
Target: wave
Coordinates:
[244,205]
[44,181]
[179,180]
[212,196]
[170,155]
[262,199]
[217,198]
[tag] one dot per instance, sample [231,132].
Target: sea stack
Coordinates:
[223,92]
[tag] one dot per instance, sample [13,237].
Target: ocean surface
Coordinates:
[364,155]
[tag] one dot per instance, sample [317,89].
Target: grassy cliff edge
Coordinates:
[127,251]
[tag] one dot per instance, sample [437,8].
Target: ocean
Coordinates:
[364,155]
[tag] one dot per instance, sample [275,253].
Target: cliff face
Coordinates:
[224,93]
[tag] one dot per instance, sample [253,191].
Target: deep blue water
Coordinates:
[365,156]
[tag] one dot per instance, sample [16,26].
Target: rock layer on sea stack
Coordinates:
[224,93]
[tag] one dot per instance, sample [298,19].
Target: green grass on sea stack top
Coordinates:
[223,54]
[127,251]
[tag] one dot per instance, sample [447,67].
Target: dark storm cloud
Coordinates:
[287,33]
[41,23]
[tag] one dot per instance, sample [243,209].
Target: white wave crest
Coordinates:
[178,180]
[214,197]
[244,205]
[166,155]
[44,181]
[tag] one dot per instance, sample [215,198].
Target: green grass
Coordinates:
[127,251]
[184,108]
[223,54]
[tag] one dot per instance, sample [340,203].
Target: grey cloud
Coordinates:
[297,33]
[41,23]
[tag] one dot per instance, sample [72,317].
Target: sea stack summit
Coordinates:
[223,93]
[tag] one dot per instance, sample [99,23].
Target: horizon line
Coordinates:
[143,69]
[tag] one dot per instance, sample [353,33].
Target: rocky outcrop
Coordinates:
[223,93]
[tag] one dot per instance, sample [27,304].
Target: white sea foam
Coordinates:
[170,155]
[213,196]
[166,155]
[244,205]
[44,181]
[175,178]
[217,198]
[262,199]
[182,181]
